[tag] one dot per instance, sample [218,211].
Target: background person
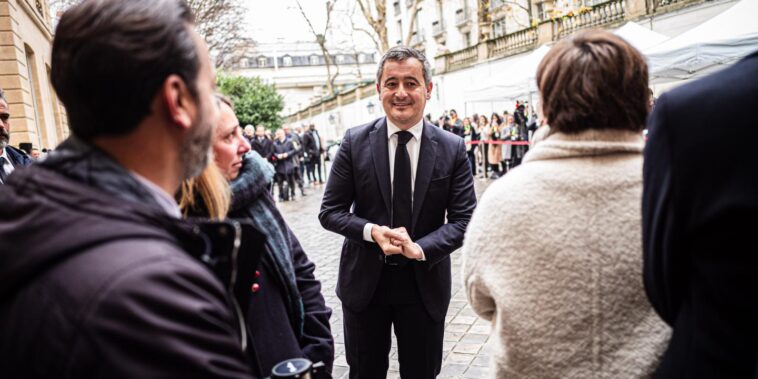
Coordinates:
[10,157]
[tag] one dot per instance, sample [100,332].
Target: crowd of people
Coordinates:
[297,156]
[151,246]
[497,144]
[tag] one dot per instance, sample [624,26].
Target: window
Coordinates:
[314,60]
[361,58]
[400,30]
[262,62]
[340,59]
[396,5]
[287,61]
[467,39]
[34,87]
[244,63]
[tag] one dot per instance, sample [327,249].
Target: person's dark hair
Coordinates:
[453,111]
[401,53]
[496,119]
[486,120]
[595,80]
[2,96]
[110,57]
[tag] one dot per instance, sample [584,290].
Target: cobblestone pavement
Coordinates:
[466,347]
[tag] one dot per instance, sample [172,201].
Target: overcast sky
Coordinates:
[271,21]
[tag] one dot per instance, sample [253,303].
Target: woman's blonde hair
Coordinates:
[213,189]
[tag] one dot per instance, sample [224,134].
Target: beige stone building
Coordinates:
[26,36]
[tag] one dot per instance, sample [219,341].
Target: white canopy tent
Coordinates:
[721,40]
[640,37]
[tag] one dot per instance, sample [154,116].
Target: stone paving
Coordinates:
[466,345]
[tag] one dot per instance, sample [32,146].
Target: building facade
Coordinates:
[26,36]
[298,70]
[471,43]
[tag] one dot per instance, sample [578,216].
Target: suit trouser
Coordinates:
[318,169]
[368,338]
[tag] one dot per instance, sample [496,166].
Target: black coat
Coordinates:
[309,145]
[286,165]
[699,216]
[263,146]
[95,286]
[269,317]
[359,192]
[18,157]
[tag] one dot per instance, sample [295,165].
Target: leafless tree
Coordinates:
[375,13]
[218,21]
[321,41]
[412,23]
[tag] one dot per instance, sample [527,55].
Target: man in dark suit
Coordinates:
[699,215]
[10,157]
[261,144]
[392,184]
[315,150]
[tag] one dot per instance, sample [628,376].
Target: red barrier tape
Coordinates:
[519,143]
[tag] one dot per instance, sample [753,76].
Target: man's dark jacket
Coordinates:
[263,146]
[17,157]
[309,145]
[94,285]
[359,191]
[700,212]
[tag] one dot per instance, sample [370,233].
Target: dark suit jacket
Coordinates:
[18,157]
[359,191]
[700,211]
[264,147]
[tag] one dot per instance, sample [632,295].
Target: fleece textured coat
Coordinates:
[553,257]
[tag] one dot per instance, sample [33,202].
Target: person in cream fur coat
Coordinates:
[553,255]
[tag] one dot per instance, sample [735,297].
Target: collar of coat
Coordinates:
[592,142]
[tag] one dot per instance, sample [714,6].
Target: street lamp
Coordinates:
[370,107]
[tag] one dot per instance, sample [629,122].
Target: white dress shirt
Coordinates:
[414,147]
[6,164]
[166,201]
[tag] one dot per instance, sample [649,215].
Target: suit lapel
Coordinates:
[380,156]
[426,159]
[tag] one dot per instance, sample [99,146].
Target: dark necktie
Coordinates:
[3,175]
[402,194]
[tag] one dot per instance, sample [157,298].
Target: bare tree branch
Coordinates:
[378,23]
[411,24]
[321,41]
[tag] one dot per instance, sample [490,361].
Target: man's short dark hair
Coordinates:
[2,96]
[401,53]
[110,58]
[595,80]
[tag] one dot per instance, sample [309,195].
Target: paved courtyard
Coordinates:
[466,347]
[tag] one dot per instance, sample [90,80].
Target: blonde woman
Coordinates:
[286,316]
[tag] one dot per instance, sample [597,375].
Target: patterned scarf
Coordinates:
[251,199]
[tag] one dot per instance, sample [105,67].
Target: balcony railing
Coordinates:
[600,14]
[663,3]
[461,58]
[437,28]
[512,43]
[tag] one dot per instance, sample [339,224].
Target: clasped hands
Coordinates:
[396,241]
